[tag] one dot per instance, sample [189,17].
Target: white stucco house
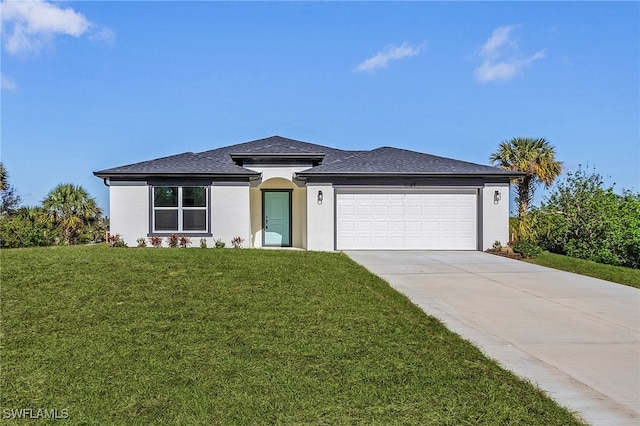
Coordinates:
[287,193]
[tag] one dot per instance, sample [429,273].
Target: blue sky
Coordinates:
[93,85]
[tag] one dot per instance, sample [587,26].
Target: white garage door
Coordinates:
[406,220]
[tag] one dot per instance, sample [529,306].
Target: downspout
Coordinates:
[104,180]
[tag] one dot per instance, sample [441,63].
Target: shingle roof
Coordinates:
[380,161]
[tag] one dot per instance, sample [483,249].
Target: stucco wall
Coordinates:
[320,217]
[230,212]
[129,210]
[495,215]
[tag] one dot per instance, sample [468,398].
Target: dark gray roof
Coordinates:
[380,161]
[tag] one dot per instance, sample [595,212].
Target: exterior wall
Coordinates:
[230,213]
[129,210]
[495,215]
[320,217]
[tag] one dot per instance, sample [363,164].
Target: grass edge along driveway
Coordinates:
[194,336]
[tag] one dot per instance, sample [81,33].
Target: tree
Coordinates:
[583,218]
[9,199]
[533,157]
[72,209]
[3,178]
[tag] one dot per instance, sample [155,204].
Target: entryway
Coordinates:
[276,218]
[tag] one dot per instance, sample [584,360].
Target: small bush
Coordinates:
[219,243]
[527,250]
[497,246]
[184,241]
[203,243]
[236,242]
[142,242]
[173,240]
[156,241]
[116,241]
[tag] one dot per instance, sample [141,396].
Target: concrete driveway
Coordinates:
[577,338]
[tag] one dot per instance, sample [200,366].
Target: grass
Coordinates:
[242,337]
[616,274]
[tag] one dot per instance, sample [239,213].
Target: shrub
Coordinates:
[116,241]
[156,241]
[141,242]
[28,227]
[219,243]
[582,218]
[173,240]
[527,250]
[184,241]
[236,242]
[203,243]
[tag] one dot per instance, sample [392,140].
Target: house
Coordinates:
[287,193]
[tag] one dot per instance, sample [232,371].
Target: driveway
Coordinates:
[577,338]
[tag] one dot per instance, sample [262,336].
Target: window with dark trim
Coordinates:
[180,209]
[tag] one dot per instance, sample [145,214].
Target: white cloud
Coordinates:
[500,57]
[7,83]
[28,26]
[386,55]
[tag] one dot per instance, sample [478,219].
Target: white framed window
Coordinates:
[180,209]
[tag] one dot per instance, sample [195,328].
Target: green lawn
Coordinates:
[237,337]
[616,274]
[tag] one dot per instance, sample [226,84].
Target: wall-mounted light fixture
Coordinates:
[497,197]
[320,197]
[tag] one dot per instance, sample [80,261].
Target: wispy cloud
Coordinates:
[388,54]
[28,26]
[501,59]
[7,83]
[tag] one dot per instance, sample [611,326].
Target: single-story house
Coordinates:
[287,193]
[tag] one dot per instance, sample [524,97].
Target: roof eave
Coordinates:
[510,175]
[140,176]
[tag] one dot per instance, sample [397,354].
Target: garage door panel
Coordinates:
[409,220]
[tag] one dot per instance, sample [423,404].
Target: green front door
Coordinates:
[276,218]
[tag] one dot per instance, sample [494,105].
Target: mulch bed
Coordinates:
[509,254]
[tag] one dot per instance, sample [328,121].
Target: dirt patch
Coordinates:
[509,254]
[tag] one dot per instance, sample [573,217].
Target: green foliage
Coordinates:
[523,229]
[28,227]
[142,242]
[527,250]
[582,218]
[533,157]
[219,243]
[9,198]
[73,210]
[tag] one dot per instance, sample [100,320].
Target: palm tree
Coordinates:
[71,208]
[533,157]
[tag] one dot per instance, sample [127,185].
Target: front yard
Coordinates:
[194,336]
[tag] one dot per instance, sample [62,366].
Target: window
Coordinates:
[180,209]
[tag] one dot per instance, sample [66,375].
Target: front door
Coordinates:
[276,218]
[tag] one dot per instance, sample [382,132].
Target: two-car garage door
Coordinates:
[412,219]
